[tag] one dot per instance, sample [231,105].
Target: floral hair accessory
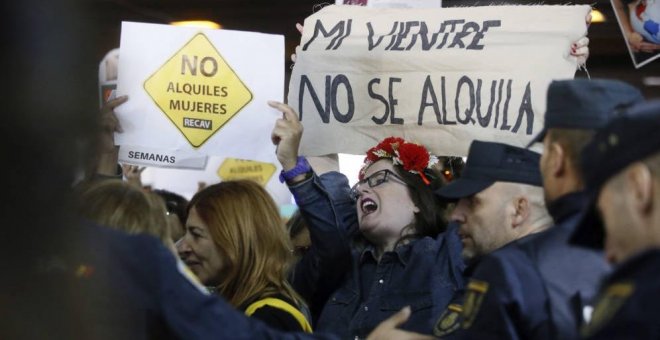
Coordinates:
[412,157]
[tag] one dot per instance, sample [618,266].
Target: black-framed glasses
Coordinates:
[374,180]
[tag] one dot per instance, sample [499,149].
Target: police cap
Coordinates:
[631,136]
[490,162]
[585,104]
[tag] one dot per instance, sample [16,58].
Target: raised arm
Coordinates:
[104,164]
[326,206]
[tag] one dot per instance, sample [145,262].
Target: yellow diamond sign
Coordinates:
[197,90]
[232,168]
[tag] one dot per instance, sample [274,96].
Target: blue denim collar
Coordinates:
[401,253]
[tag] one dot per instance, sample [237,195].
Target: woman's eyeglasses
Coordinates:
[374,180]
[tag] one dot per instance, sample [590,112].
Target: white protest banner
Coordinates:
[141,155]
[442,77]
[392,3]
[201,91]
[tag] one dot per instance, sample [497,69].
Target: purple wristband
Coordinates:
[302,167]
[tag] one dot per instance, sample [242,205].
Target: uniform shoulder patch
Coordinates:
[476,290]
[449,321]
[614,296]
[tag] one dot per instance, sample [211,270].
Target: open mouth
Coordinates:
[368,206]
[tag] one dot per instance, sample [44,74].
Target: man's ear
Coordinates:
[640,180]
[557,160]
[521,211]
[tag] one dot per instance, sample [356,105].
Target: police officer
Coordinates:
[499,200]
[570,274]
[559,280]
[622,175]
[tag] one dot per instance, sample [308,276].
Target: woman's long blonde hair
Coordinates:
[246,227]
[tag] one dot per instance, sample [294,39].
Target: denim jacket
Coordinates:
[360,291]
[328,213]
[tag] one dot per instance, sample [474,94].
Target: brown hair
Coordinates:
[430,220]
[573,141]
[246,227]
[122,206]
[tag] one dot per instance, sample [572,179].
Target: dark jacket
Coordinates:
[424,273]
[536,287]
[119,286]
[627,305]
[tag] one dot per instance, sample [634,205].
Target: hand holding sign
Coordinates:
[580,50]
[133,174]
[110,123]
[107,153]
[286,135]
[299,27]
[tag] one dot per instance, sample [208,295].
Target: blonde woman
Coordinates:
[236,242]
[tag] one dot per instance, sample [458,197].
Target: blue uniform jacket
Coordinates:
[424,273]
[131,287]
[627,305]
[536,287]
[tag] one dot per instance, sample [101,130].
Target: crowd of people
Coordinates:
[515,244]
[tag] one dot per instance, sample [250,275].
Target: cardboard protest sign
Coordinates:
[392,3]
[234,169]
[200,91]
[186,182]
[442,77]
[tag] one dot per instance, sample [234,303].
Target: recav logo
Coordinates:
[197,123]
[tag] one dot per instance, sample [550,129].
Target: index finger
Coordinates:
[116,102]
[287,110]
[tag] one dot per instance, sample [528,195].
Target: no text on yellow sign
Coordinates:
[197,90]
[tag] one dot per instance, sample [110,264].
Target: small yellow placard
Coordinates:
[233,168]
[197,90]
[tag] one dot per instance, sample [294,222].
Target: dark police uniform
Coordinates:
[128,287]
[487,163]
[627,305]
[536,287]
[540,287]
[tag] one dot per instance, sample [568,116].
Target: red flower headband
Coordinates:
[412,157]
